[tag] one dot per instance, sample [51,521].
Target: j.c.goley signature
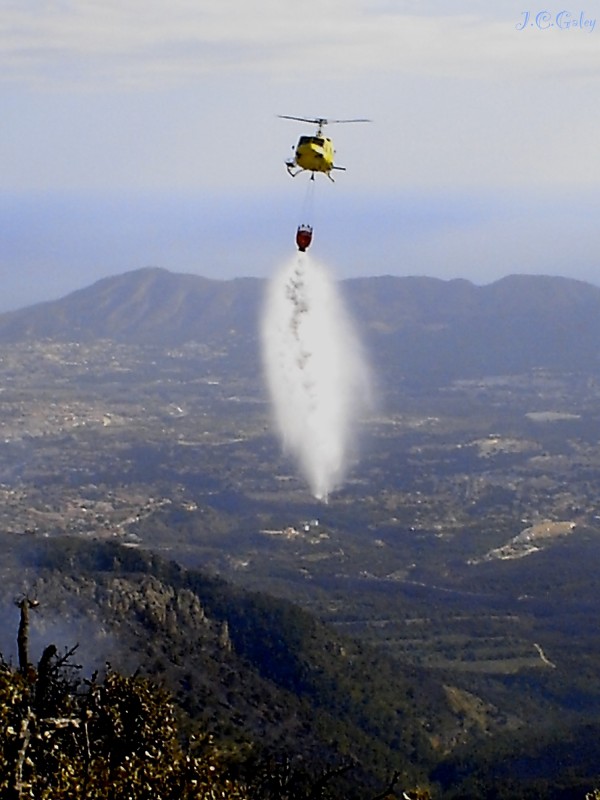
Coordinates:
[563,20]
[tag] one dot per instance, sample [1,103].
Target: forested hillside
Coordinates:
[260,675]
[284,700]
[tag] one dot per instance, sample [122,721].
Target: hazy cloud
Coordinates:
[140,42]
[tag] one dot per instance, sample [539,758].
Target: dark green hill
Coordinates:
[148,306]
[429,331]
[250,667]
[254,669]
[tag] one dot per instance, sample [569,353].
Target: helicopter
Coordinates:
[314,153]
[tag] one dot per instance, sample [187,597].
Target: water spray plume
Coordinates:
[315,372]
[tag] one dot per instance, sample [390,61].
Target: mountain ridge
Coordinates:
[419,328]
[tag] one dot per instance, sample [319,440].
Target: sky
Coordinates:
[143,133]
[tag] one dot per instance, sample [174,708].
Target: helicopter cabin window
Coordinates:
[320,142]
[305,140]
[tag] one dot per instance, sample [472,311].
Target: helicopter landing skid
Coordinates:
[312,176]
[290,167]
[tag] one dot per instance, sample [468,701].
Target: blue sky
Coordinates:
[137,133]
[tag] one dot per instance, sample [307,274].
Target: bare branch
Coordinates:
[25,736]
[24,604]
[390,787]
[334,772]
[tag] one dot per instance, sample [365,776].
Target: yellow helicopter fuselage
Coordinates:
[315,154]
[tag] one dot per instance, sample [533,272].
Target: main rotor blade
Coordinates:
[313,120]
[336,121]
[321,120]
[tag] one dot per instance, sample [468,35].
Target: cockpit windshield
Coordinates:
[311,140]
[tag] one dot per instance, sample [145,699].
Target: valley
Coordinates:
[463,547]
[162,448]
